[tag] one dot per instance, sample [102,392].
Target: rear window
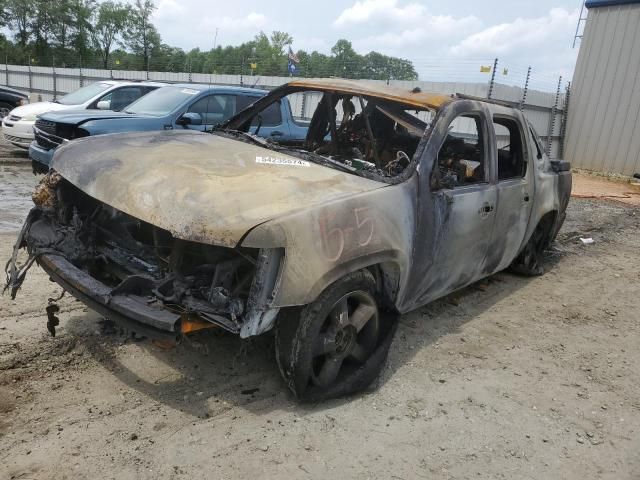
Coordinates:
[271,116]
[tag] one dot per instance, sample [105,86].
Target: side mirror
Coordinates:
[190,118]
[104,105]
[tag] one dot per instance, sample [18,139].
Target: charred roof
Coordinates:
[407,96]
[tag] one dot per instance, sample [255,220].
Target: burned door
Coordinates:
[515,191]
[457,217]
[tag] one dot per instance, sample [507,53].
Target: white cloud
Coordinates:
[366,11]
[542,42]
[398,26]
[168,9]
[172,17]
[521,33]
[253,22]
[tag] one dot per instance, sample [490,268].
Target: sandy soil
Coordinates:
[513,378]
[591,186]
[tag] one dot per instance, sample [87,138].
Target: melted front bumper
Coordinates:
[131,311]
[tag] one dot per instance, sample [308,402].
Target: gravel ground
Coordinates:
[512,378]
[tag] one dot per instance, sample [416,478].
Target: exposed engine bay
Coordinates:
[201,285]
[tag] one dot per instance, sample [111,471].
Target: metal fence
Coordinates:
[545,110]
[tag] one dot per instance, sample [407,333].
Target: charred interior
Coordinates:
[198,282]
[366,136]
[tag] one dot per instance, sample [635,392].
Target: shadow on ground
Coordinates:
[213,371]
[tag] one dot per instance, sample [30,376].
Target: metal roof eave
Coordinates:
[609,3]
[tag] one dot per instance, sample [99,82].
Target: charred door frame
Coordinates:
[498,260]
[432,210]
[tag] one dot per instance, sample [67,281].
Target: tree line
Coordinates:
[111,34]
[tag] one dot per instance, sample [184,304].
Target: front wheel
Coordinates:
[5,108]
[335,345]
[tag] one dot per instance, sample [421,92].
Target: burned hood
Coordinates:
[200,187]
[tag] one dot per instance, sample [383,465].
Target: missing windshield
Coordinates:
[361,134]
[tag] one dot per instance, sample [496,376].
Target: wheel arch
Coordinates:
[386,267]
[548,222]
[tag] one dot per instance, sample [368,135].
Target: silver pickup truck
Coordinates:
[395,198]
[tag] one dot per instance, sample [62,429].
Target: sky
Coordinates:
[445,39]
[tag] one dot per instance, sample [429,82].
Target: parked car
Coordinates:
[181,106]
[17,127]
[412,196]
[10,99]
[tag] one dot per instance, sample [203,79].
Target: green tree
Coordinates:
[62,23]
[40,25]
[18,14]
[141,36]
[347,63]
[82,16]
[279,40]
[112,19]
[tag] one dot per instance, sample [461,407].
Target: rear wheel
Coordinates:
[334,345]
[530,260]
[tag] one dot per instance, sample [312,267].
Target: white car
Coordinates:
[17,127]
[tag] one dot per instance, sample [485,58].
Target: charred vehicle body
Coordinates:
[395,198]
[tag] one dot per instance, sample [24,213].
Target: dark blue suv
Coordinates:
[180,106]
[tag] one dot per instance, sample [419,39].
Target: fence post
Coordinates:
[81,78]
[565,119]
[526,89]
[6,70]
[493,78]
[552,119]
[55,83]
[304,104]
[30,76]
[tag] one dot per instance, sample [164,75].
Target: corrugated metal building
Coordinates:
[603,131]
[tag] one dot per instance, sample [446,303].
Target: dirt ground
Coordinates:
[592,186]
[512,378]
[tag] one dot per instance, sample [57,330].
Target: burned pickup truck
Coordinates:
[394,198]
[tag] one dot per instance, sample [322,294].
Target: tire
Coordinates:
[5,108]
[336,345]
[530,261]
